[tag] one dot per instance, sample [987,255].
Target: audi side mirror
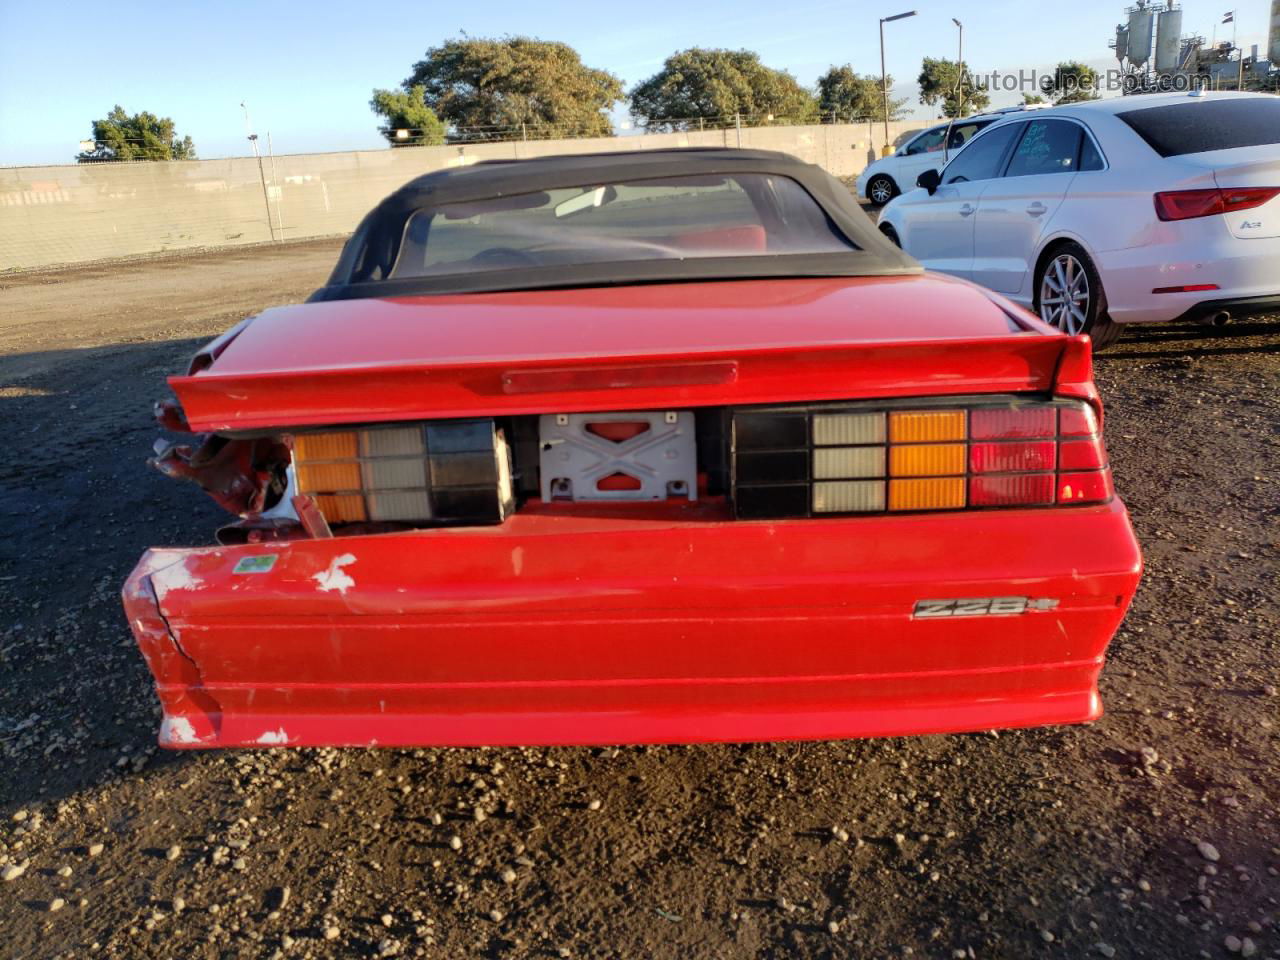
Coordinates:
[929,180]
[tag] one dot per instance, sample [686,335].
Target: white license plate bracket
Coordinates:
[618,456]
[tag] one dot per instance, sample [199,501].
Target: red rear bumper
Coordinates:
[556,629]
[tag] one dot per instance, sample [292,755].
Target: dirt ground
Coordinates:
[1152,833]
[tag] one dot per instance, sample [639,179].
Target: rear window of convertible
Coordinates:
[674,218]
[1201,126]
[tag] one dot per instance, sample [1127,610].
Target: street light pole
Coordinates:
[884,91]
[262,176]
[959,111]
[884,77]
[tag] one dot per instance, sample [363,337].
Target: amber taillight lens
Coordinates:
[446,471]
[916,456]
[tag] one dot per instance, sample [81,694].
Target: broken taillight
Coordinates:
[448,471]
[916,456]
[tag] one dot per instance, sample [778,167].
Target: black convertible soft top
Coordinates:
[379,234]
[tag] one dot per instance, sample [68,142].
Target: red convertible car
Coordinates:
[662,446]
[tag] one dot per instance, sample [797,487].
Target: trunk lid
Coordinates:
[1242,167]
[609,348]
[1252,167]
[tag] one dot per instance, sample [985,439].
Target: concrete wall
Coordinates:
[81,212]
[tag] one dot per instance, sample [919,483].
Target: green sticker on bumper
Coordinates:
[255,564]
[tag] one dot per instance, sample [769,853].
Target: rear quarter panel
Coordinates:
[1114,209]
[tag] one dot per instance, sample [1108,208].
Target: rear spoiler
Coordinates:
[1023,361]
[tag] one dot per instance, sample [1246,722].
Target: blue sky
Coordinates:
[307,69]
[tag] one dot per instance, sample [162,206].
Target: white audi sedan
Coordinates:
[1140,209]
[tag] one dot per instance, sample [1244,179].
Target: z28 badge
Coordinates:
[981,607]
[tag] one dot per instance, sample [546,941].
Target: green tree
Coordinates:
[496,87]
[697,87]
[406,110]
[938,84]
[1074,82]
[852,97]
[143,136]
[1029,99]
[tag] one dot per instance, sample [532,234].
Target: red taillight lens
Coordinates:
[1028,490]
[1186,204]
[1011,457]
[1189,204]
[1084,487]
[1078,421]
[1082,455]
[1246,198]
[1012,424]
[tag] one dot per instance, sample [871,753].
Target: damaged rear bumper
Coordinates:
[572,629]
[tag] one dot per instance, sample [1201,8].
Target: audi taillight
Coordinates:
[1189,204]
[906,457]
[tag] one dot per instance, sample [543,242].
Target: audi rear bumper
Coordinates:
[1236,307]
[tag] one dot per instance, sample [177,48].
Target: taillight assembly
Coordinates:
[1189,204]
[956,455]
[446,471]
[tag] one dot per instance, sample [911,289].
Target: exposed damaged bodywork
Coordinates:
[655,512]
[244,477]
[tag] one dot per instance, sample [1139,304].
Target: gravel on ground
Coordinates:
[1152,833]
